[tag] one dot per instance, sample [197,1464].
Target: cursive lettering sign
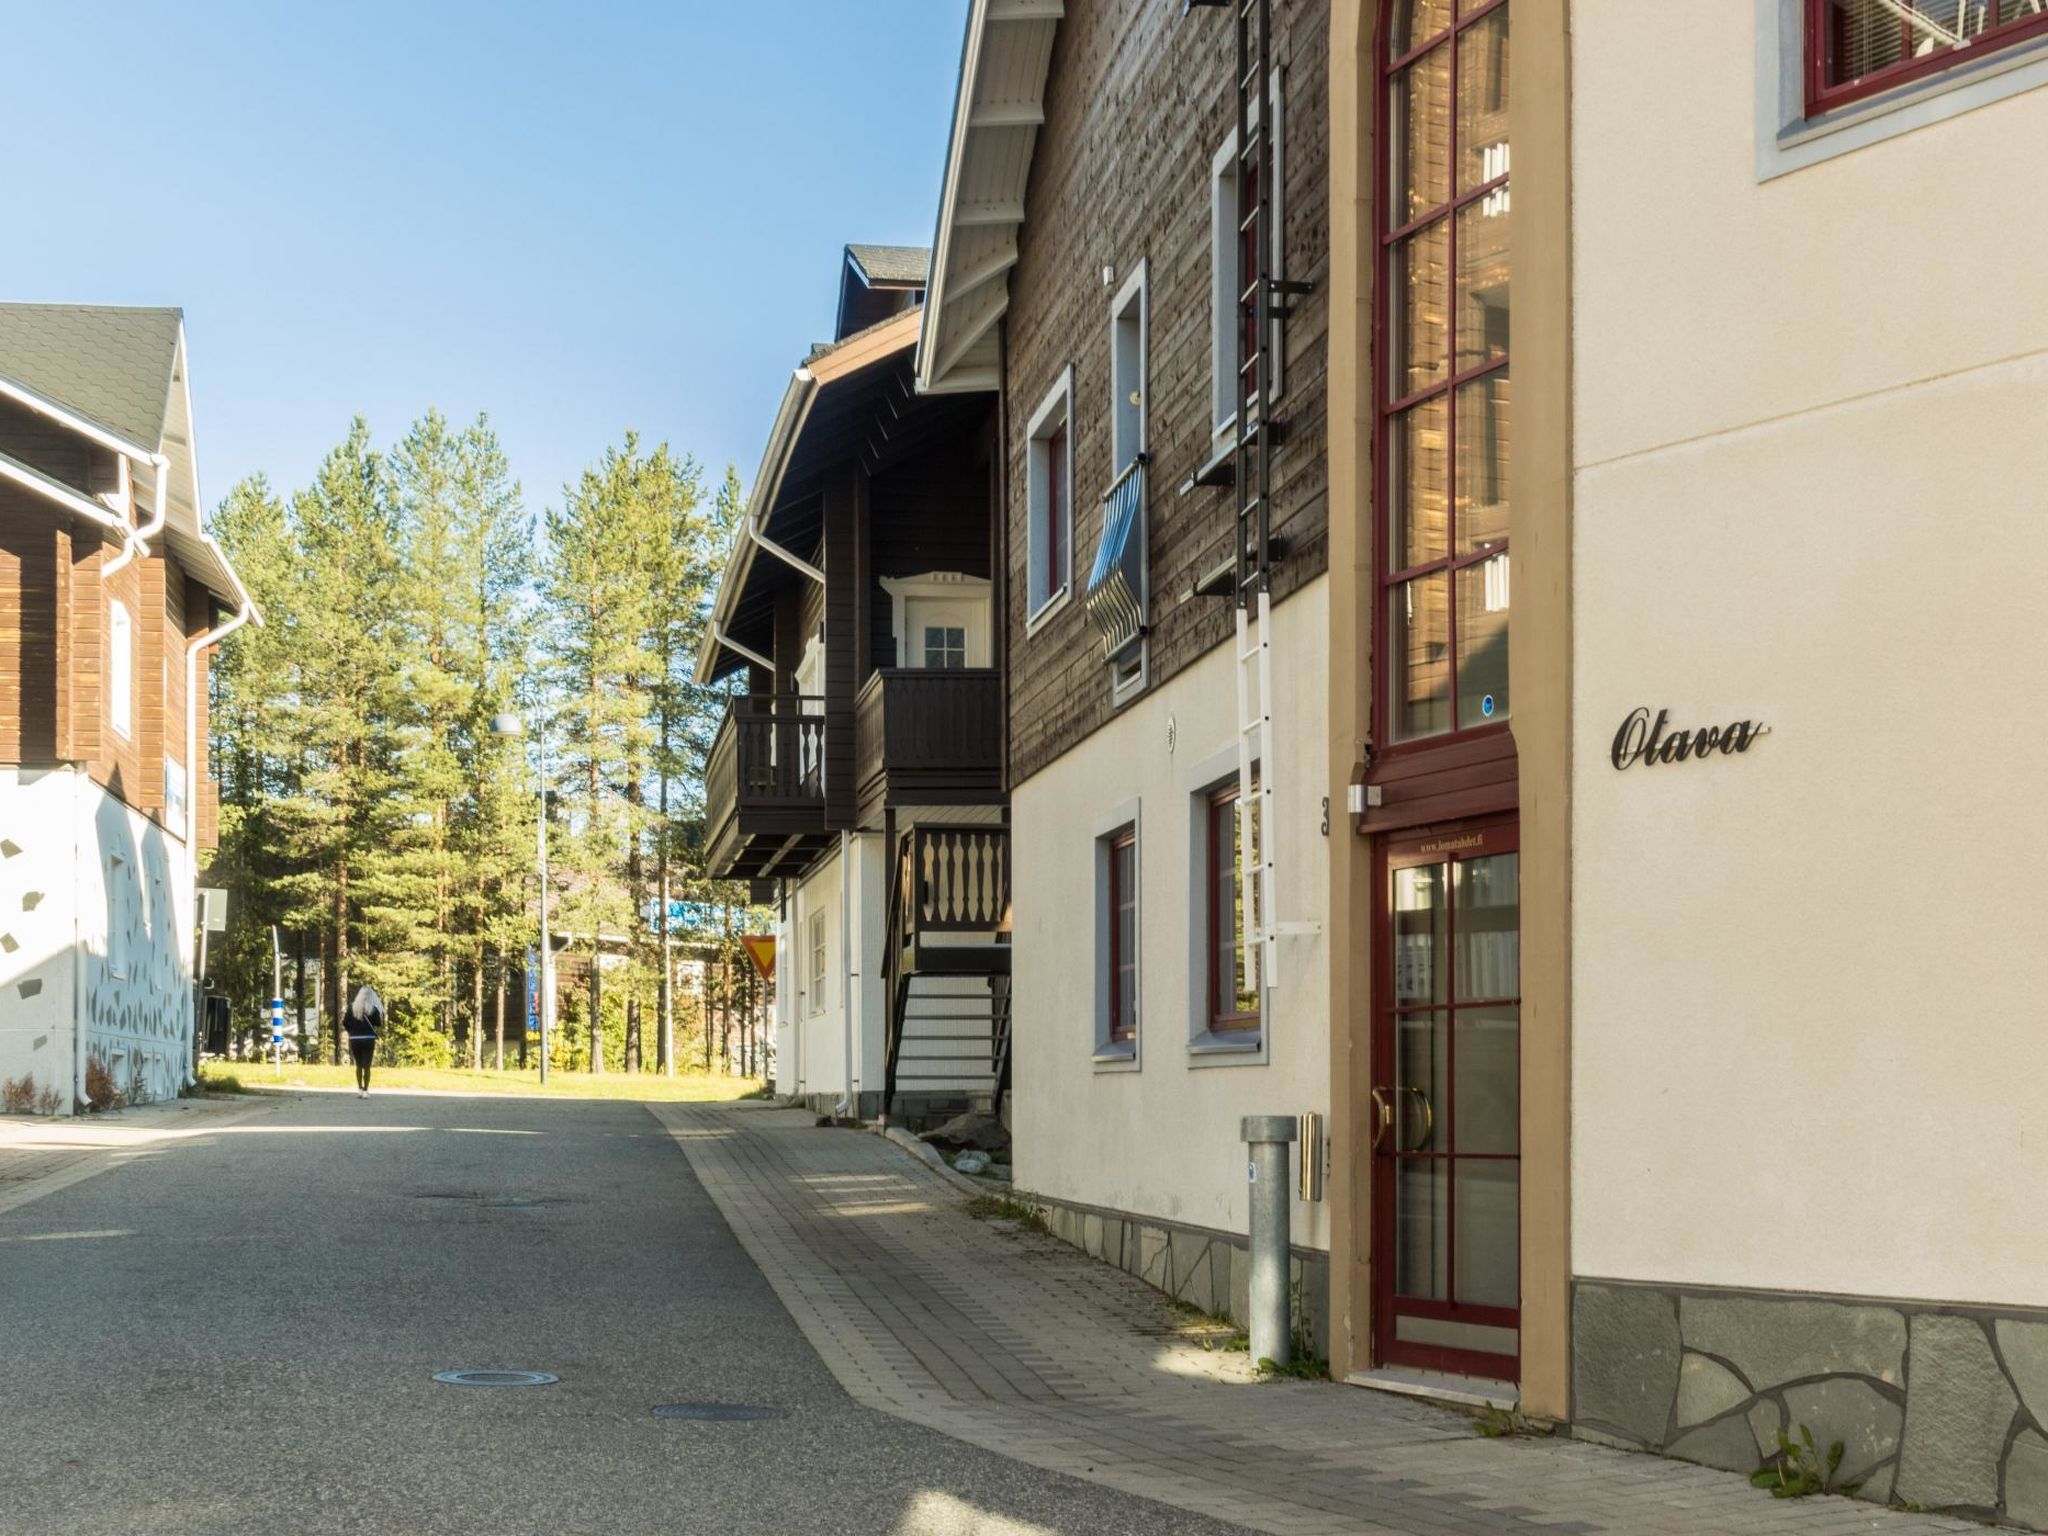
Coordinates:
[1643,740]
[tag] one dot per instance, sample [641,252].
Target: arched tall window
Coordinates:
[1444,395]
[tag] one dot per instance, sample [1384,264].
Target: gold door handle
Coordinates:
[1384,1118]
[1428,1119]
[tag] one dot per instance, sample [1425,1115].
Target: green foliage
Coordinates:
[1003,1208]
[369,809]
[1801,1470]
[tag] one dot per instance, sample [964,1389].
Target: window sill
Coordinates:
[1228,1047]
[1788,139]
[1117,1056]
[1038,619]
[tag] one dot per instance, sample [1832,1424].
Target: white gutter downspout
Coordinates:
[787,557]
[138,538]
[720,637]
[211,638]
[849,1104]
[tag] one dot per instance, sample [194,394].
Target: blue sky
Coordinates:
[578,216]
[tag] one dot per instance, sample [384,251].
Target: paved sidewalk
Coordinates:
[39,1156]
[1013,1341]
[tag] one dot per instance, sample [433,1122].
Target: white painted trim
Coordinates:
[1134,291]
[1059,400]
[1788,140]
[1222,238]
[43,405]
[121,669]
[938,586]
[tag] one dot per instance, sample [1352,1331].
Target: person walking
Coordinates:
[365,1019]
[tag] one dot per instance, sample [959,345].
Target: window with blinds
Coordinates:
[1856,48]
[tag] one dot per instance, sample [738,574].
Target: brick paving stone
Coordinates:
[1014,1341]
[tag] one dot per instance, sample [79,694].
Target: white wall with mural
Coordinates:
[96,914]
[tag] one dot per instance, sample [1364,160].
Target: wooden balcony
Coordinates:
[764,787]
[928,737]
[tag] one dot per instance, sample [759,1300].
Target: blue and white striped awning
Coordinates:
[1116,583]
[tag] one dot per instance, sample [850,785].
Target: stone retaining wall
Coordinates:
[1208,1270]
[1941,1407]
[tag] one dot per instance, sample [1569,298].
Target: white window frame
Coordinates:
[942,586]
[1134,295]
[1119,1055]
[817,956]
[121,669]
[1788,140]
[1054,411]
[1223,286]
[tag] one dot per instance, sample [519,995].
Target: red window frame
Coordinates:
[1224,1015]
[1822,40]
[1388,406]
[1123,891]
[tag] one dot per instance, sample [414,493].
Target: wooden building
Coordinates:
[1131,247]
[857,779]
[111,598]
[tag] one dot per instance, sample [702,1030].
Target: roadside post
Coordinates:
[1271,1194]
[276,1002]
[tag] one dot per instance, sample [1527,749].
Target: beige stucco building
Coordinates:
[1771,485]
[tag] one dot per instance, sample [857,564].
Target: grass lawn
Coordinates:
[258,1077]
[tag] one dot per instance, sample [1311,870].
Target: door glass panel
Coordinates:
[1488,893]
[1483,643]
[1419,913]
[1420,504]
[1422,1065]
[1419,624]
[945,646]
[1489,1228]
[1486,1111]
[1421,1230]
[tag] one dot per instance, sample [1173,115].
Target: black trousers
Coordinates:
[361,1051]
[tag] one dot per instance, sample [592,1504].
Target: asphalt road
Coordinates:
[240,1334]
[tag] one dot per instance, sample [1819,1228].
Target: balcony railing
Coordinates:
[928,736]
[764,779]
[952,880]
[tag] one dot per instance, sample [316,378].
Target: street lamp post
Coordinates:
[510,725]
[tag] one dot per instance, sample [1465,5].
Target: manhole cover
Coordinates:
[495,1378]
[721,1413]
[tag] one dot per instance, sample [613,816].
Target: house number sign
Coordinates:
[1644,740]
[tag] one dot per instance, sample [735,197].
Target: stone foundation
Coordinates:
[1941,1407]
[1210,1271]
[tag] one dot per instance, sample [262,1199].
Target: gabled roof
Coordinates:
[891,266]
[997,110]
[836,364]
[118,376]
[111,366]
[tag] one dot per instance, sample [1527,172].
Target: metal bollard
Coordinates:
[1271,1200]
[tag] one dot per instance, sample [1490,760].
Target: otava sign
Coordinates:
[1643,740]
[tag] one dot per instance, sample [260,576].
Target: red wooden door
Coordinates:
[1445,1111]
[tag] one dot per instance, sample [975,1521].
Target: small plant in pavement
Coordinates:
[1003,1208]
[1801,1470]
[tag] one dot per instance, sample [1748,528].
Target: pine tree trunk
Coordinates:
[596,1012]
[476,1013]
[632,1035]
[340,951]
[499,1054]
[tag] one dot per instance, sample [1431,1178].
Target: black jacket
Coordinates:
[366,1014]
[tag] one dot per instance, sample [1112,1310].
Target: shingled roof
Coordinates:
[896,266]
[109,365]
